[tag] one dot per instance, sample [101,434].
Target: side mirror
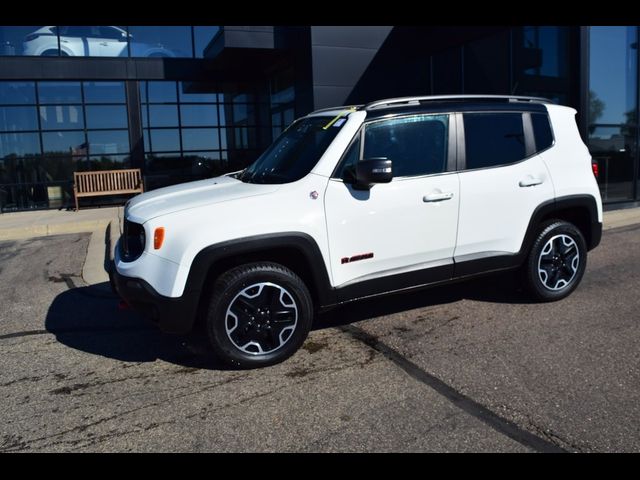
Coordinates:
[373,170]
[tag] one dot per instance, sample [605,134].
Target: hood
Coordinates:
[188,195]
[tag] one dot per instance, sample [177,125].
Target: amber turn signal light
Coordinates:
[158,238]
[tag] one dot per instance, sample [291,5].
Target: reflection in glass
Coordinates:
[165,140]
[158,92]
[612,108]
[59,92]
[64,143]
[199,115]
[200,139]
[19,144]
[17,93]
[545,49]
[18,118]
[40,41]
[104,92]
[107,142]
[202,36]
[108,162]
[162,115]
[93,41]
[61,117]
[161,41]
[106,116]
[197,92]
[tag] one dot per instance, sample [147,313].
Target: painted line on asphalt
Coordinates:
[482,413]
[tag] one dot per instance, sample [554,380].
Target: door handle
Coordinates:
[437,197]
[530,181]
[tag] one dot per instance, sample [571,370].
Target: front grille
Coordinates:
[132,242]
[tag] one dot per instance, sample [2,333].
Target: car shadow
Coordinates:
[89,319]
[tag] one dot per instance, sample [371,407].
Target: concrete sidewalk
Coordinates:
[105,224]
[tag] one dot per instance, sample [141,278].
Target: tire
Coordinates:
[552,270]
[242,325]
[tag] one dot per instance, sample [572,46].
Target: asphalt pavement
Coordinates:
[468,367]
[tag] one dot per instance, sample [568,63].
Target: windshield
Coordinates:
[295,152]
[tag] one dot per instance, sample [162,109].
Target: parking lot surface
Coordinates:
[467,367]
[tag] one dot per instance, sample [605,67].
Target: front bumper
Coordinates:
[173,315]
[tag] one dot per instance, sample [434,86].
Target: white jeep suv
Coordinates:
[353,202]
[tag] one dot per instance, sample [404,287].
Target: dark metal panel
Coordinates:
[340,66]
[351,36]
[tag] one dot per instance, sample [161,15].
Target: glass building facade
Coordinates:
[184,102]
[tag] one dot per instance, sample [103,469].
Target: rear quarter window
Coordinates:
[541,131]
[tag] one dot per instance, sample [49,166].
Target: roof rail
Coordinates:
[435,98]
[341,107]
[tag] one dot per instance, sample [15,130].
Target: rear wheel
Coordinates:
[259,314]
[556,262]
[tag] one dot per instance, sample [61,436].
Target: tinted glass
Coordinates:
[108,162]
[17,93]
[493,139]
[541,131]
[202,36]
[199,115]
[294,153]
[349,160]
[59,92]
[200,139]
[19,144]
[160,41]
[104,92]
[64,143]
[106,116]
[28,41]
[162,116]
[93,41]
[197,92]
[18,118]
[61,117]
[158,92]
[108,142]
[165,140]
[416,145]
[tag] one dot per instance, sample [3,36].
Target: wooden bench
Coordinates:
[106,182]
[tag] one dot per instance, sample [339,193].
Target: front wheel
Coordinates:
[556,262]
[259,314]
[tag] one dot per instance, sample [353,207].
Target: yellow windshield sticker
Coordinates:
[337,117]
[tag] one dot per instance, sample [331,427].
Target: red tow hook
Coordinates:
[122,305]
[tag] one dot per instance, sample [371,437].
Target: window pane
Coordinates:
[200,139]
[64,143]
[112,116]
[28,41]
[493,139]
[19,144]
[163,115]
[160,41]
[165,140]
[18,118]
[104,92]
[61,117]
[17,93]
[108,162]
[59,92]
[93,41]
[203,35]
[158,92]
[108,142]
[544,51]
[199,115]
[350,159]
[541,131]
[613,149]
[416,145]
[197,92]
